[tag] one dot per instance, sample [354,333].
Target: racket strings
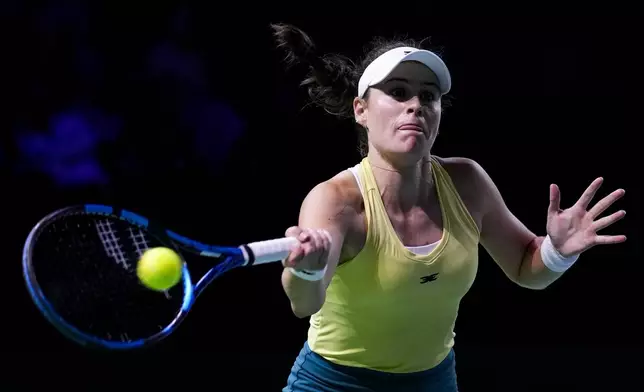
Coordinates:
[86,267]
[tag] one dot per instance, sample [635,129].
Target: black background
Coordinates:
[540,95]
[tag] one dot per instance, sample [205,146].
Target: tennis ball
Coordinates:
[159,268]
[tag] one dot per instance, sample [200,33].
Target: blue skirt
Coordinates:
[313,373]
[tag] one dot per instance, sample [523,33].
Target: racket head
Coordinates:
[42,288]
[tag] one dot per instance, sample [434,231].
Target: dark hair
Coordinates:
[332,79]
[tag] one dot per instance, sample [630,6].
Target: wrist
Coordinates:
[310,275]
[552,259]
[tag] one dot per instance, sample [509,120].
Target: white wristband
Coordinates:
[553,260]
[311,276]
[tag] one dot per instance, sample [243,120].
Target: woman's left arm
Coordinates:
[535,262]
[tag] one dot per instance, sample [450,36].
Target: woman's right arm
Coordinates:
[326,207]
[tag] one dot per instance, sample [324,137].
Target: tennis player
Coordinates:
[390,246]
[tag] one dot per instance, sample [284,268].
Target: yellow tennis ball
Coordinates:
[159,268]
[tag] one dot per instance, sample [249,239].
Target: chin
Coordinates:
[415,145]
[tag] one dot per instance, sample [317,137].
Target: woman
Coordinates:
[388,248]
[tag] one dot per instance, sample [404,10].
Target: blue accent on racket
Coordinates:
[79,265]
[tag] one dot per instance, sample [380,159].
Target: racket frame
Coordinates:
[233,257]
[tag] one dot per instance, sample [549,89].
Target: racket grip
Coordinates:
[271,250]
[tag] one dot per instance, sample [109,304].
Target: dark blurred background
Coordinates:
[186,114]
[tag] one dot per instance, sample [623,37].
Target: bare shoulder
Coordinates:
[471,182]
[337,199]
[465,172]
[346,185]
[460,167]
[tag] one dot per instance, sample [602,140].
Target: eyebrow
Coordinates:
[407,81]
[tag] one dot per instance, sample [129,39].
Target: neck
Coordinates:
[402,186]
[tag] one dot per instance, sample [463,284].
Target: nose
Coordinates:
[414,106]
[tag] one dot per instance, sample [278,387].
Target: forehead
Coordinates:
[414,72]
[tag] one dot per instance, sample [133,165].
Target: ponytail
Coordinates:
[331,81]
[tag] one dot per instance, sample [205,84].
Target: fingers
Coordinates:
[555,199]
[325,239]
[313,245]
[324,242]
[609,239]
[297,251]
[608,220]
[296,254]
[606,202]
[317,247]
[311,240]
[588,195]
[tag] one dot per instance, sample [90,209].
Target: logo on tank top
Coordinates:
[428,278]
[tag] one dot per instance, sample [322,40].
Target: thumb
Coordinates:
[293,231]
[555,199]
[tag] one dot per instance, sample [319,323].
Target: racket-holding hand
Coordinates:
[311,251]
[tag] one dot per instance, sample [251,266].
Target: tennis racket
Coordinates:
[79,264]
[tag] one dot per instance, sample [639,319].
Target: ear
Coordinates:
[360,111]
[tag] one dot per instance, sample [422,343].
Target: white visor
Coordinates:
[381,67]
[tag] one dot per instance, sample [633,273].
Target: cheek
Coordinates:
[438,108]
[434,114]
[385,116]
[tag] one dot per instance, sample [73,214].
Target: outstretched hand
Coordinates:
[574,230]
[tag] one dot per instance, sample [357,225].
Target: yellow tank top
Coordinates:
[390,309]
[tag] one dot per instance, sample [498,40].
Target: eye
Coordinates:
[404,93]
[428,96]
[398,92]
